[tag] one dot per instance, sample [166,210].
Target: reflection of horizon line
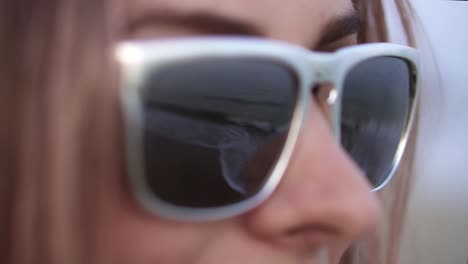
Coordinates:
[209,117]
[220,146]
[242,101]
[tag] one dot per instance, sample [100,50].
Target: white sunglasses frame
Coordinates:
[137,57]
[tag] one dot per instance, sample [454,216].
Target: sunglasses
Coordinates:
[211,123]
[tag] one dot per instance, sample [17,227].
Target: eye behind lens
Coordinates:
[214,128]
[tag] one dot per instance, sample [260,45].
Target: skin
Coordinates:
[322,201]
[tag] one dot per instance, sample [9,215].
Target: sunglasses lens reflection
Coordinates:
[375,110]
[214,128]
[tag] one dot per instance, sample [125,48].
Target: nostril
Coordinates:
[316,228]
[310,237]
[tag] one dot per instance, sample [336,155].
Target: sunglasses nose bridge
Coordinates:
[323,83]
[321,68]
[325,87]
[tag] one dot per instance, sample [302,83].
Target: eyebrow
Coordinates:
[203,22]
[209,23]
[340,27]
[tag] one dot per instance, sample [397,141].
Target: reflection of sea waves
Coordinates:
[234,143]
[372,144]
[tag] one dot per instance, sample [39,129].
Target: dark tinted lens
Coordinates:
[213,129]
[376,102]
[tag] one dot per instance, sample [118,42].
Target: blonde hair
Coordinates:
[56,107]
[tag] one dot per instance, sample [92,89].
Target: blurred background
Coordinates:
[437,232]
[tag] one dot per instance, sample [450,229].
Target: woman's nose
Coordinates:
[323,196]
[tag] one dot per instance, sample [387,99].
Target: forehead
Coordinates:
[289,20]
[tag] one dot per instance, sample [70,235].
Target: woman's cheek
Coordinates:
[126,239]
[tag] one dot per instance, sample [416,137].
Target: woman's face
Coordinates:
[323,200]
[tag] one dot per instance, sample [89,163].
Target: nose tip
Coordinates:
[323,195]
